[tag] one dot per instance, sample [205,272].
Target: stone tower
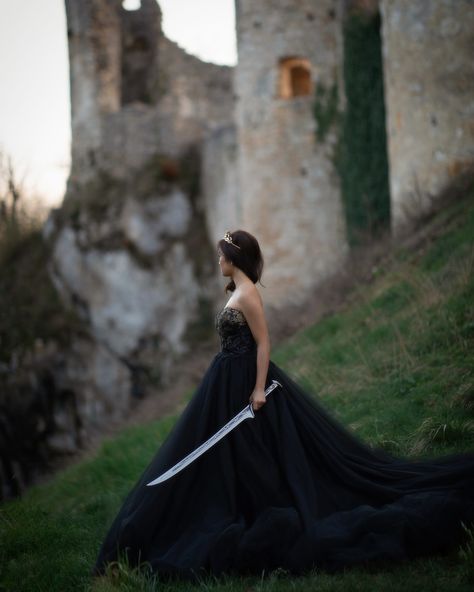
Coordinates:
[94,41]
[428,51]
[135,93]
[289,190]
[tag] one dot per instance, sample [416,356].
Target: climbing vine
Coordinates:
[361,154]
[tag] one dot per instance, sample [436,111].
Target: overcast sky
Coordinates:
[34,70]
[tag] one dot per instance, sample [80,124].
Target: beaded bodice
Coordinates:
[234,332]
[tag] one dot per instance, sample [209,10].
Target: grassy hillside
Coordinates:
[397,365]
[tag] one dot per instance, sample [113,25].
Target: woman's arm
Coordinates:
[254,313]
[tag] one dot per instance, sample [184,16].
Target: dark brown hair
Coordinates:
[248,258]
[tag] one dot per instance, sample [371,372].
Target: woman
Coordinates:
[292,488]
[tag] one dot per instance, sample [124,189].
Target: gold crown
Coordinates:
[228,239]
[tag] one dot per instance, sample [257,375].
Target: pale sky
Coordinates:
[34,77]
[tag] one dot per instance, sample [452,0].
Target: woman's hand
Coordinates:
[257,398]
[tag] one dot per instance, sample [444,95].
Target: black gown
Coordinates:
[290,488]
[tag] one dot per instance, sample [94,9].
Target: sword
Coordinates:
[246,413]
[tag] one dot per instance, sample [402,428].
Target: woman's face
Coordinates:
[226,266]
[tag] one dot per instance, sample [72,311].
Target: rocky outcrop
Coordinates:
[132,258]
[143,290]
[53,403]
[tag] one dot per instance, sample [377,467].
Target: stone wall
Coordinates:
[134,190]
[428,49]
[221,187]
[94,41]
[130,249]
[289,190]
[135,93]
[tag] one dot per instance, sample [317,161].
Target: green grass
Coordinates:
[396,365]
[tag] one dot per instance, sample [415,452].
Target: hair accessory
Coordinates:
[228,239]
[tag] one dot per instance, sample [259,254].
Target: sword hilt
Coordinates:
[273,386]
[268,390]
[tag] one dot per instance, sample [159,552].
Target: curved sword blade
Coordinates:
[247,412]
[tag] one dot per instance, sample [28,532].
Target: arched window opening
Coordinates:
[295,77]
[300,81]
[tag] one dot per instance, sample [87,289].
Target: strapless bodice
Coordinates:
[234,331]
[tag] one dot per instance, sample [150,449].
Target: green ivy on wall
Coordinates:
[325,109]
[361,154]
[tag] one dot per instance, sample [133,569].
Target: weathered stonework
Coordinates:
[130,248]
[221,185]
[135,93]
[127,303]
[428,49]
[289,190]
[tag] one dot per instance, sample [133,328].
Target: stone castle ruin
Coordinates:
[169,152]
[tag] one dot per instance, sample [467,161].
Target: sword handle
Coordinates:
[268,390]
[273,386]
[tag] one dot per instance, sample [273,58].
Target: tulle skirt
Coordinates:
[291,488]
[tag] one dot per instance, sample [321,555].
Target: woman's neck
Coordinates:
[239,278]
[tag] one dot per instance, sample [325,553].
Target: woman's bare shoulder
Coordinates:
[250,297]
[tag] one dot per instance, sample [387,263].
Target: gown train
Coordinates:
[290,488]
